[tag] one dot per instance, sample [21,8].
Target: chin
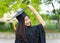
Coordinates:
[28,25]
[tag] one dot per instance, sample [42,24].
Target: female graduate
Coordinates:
[25,33]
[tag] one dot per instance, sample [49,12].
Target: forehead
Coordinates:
[26,17]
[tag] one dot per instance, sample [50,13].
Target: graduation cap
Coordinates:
[19,13]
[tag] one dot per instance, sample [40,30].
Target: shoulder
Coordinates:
[39,25]
[35,27]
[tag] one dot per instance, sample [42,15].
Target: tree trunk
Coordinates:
[58,22]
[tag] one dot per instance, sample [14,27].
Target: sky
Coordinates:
[49,7]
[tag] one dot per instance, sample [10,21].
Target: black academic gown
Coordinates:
[35,34]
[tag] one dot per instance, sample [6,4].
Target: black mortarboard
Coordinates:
[19,14]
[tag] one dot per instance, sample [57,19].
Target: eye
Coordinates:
[26,18]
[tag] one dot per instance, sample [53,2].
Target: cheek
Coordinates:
[27,22]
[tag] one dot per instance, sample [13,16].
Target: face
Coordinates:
[27,21]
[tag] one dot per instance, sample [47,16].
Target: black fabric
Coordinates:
[35,34]
[22,15]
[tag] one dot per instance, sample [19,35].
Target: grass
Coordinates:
[8,27]
[52,27]
[6,30]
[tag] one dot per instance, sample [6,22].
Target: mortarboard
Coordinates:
[19,13]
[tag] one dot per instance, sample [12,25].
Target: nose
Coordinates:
[28,21]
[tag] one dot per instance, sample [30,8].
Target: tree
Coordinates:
[55,11]
[8,5]
[4,6]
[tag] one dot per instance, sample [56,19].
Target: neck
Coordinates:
[27,26]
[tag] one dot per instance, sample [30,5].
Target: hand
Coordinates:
[8,19]
[31,7]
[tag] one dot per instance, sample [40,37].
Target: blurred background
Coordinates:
[48,9]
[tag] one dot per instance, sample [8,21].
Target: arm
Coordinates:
[37,15]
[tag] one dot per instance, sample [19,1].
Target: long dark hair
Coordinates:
[20,31]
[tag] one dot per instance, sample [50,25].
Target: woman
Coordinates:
[25,33]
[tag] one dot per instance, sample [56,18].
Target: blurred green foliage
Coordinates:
[52,27]
[8,5]
[6,27]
